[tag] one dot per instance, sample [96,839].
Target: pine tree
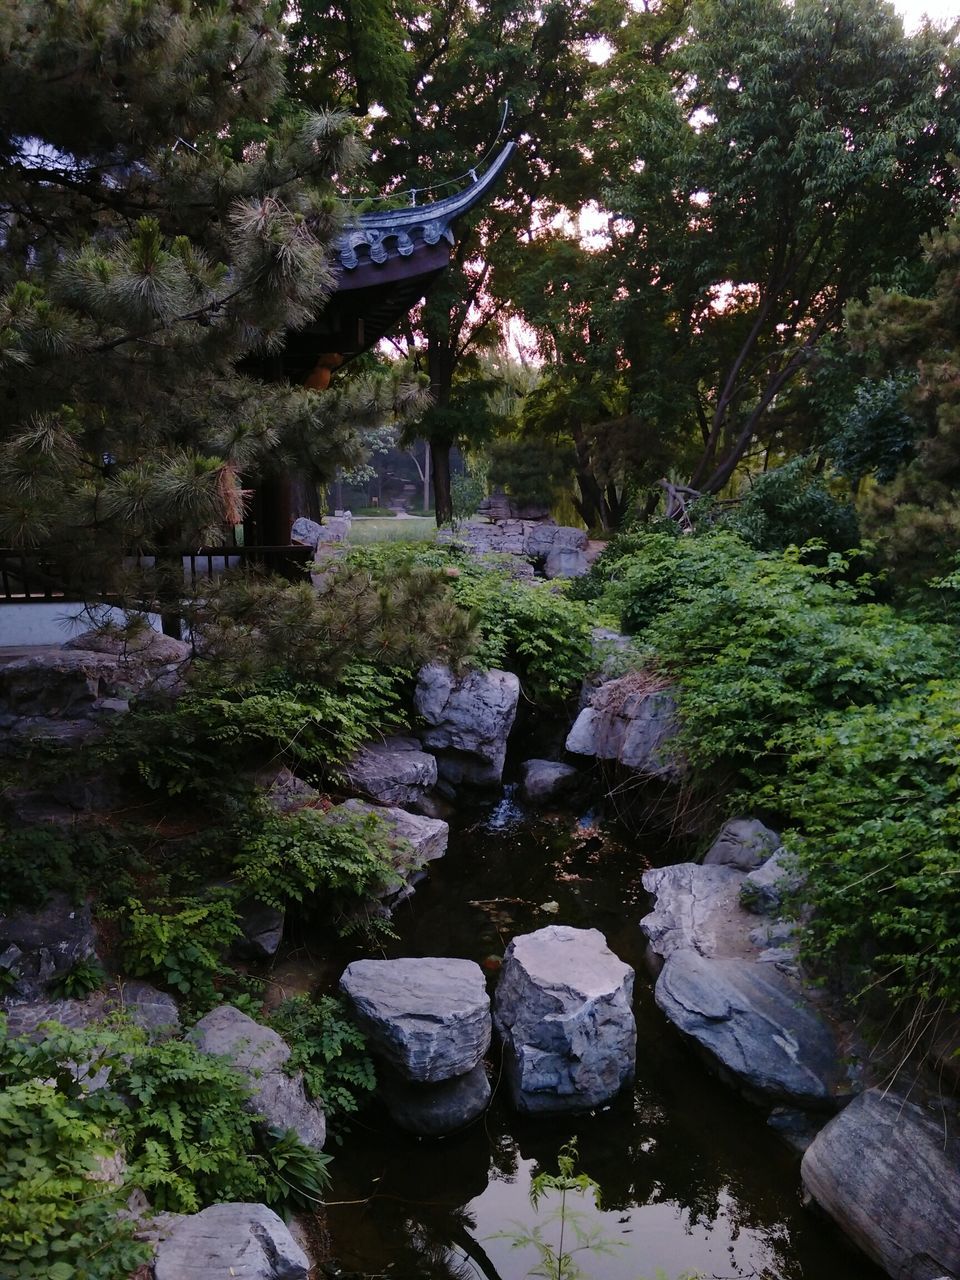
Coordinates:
[149,262]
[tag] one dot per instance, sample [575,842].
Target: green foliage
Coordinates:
[534,629]
[178,1115]
[330,1051]
[78,981]
[180,941]
[874,793]
[533,472]
[876,434]
[833,713]
[794,505]
[58,1220]
[203,737]
[338,864]
[41,858]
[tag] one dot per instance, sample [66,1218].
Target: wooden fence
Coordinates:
[33,577]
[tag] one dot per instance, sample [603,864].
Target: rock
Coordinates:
[631,724]
[417,839]
[564,562]
[284,791]
[40,945]
[26,1019]
[141,645]
[797,1128]
[763,890]
[259,1055]
[696,907]
[146,1007]
[428,1018]
[261,929]
[242,1241]
[468,720]
[546,780]
[304,532]
[392,772]
[756,1025]
[888,1172]
[563,1011]
[432,1110]
[743,843]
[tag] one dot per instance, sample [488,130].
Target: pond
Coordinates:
[691,1177]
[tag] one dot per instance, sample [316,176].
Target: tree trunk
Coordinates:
[440,458]
[426,477]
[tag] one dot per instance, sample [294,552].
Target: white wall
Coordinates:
[51,622]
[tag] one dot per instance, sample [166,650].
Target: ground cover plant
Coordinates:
[829,712]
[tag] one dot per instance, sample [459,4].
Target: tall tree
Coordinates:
[464,58]
[768,162]
[142,259]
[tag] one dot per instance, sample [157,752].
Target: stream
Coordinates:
[691,1177]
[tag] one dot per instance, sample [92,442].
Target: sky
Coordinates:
[940,10]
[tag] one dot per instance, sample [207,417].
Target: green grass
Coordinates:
[366,529]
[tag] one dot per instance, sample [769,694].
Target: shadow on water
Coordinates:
[692,1178]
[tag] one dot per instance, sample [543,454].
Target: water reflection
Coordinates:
[692,1178]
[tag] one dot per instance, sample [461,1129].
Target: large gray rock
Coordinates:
[261,930]
[545,780]
[416,839]
[259,1055]
[283,791]
[432,1110]
[154,1011]
[563,1011]
[564,562]
[696,907]
[392,772]
[242,1241]
[428,1018]
[888,1172]
[141,645]
[757,1027]
[632,726]
[743,843]
[763,891]
[468,720]
[37,946]
[305,532]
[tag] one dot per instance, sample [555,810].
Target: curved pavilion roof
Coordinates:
[387,262]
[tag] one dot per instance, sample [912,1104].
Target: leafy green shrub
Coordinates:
[342,862]
[759,641]
[330,1051]
[43,858]
[792,505]
[78,981]
[534,629]
[206,735]
[874,792]
[180,941]
[57,1221]
[177,1114]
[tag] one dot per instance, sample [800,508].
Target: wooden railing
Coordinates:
[33,577]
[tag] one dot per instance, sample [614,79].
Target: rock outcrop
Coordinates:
[888,1172]
[751,1021]
[563,1012]
[242,1241]
[428,1018]
[743,843]
[633,724]
[467,721]
[307,533]
[427,1023]
[66,694]
[259,1055]
[543,781]
[558,550]
[733,987]
[415,839]
[38,946]
[395,771]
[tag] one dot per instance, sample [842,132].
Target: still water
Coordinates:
[691,1178]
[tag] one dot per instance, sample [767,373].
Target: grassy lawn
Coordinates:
[392,529]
